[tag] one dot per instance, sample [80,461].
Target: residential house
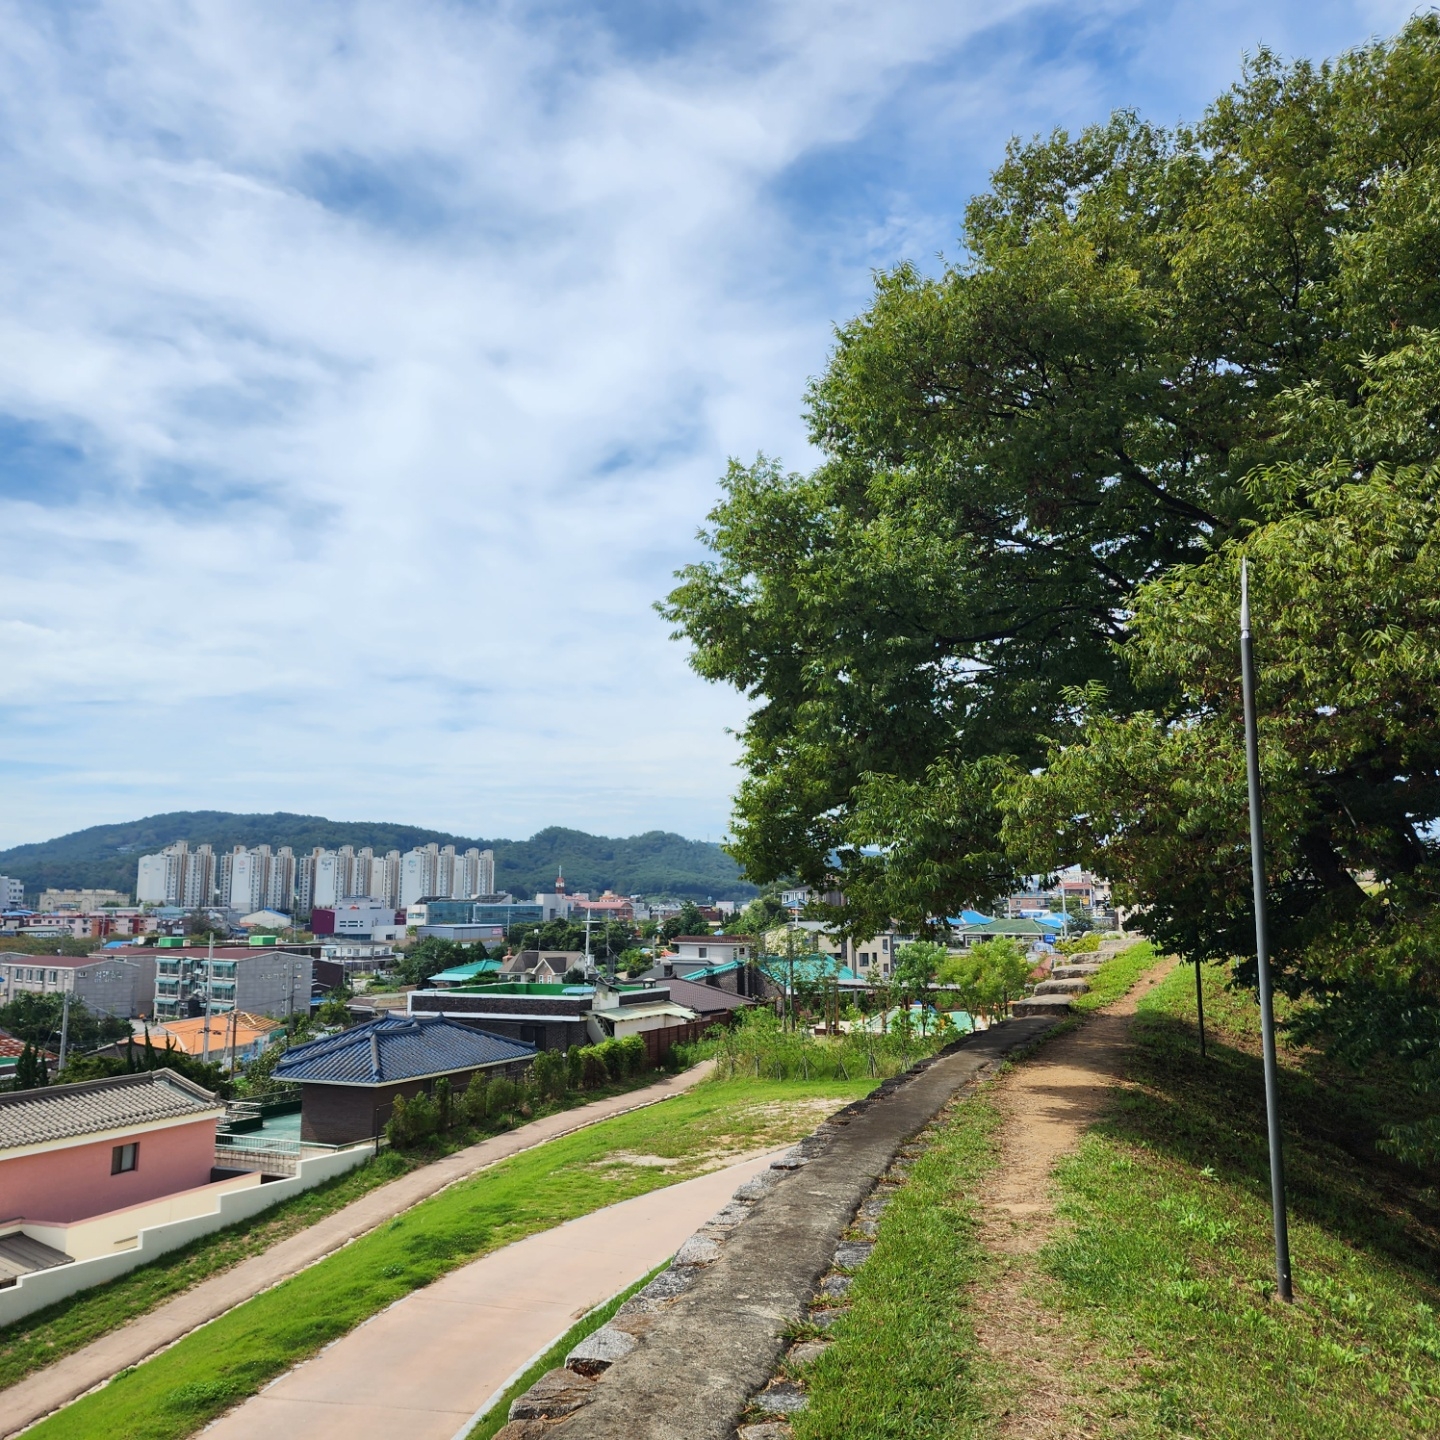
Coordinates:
[713,949]
[349,1082]
[232,1038]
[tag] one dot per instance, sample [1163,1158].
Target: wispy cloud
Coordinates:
[365,369]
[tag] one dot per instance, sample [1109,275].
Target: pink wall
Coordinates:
[74,1182]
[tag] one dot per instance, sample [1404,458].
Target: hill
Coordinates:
[656,863]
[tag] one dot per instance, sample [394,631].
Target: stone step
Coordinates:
[1073,972]
[1062,987]
[1042,1005]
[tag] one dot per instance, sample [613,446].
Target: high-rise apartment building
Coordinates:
[177,876]
[436,871]
[12,892]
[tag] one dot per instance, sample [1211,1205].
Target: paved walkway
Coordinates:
[69,1378]
[424,1367]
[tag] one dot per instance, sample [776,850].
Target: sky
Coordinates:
[367,370]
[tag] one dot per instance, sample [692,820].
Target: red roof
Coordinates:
[12,1049]
[713,940]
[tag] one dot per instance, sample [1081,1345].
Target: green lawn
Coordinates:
[1168,1267]
[183,1388]
[1161,1272]
[903,1364]
[69,1325]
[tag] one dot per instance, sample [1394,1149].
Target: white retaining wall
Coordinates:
[40,1288]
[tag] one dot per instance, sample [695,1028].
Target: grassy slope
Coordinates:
[180,1390]
[1168,1260]
[60,1329]
[903,1365]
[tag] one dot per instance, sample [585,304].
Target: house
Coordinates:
[472,974]
[711,1003]
[108,984]
[543,966]
[714,949]
[615,1015]
[1027,932]
[11,1048]
[348,1082]
[233,1037]
[737,977]
[85,1168]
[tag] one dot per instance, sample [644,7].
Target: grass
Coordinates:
[177,1392]
[903,1362]
[495,1418]
[1166,1265]
[1114,977]
[69,1325]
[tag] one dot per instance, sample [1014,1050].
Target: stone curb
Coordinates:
[683,1358]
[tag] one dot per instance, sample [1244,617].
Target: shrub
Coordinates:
[1083,945]
[422,1117]
[443,1103]
[550,1075]
[575,1066]
[592,1067]
[471,1102]
[501,1097]
[397,1131]
[633,1054]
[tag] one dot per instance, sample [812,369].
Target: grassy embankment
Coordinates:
[180,1390]
[1161,1274]
[70,1325]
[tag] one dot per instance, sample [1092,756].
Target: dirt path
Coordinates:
[1047,1104]
[72,1376]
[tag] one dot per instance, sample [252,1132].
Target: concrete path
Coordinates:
[67,1379]
[424,1367]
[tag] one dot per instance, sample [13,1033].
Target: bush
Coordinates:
[443,1103]
[592,1067]
[633,1054]
[575,1066]
[550,1075]
[471,1102]
[501,1098]
[1083,945]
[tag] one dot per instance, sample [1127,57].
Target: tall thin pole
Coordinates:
[1262,944]
[64,1029]
[1200,1007]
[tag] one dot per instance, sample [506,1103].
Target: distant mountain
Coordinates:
[656,863]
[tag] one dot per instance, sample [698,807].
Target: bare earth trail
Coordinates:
[1046,1103]
[67,1379]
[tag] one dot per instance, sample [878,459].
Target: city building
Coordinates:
[349,1082]
[485,911]
[714,949]
[83,900]
[437,870]
[108,984]
[222,1039]
[12,892]
[177,876]
[608,906]
[261,980]
[356,917]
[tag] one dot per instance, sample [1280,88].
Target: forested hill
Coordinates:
[656,863]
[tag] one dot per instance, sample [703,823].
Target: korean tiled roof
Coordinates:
[60,1112]
[397,1047]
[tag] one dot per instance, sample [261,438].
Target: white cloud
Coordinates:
[374,364]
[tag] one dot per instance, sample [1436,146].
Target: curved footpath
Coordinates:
[67,1379]
[427,1366]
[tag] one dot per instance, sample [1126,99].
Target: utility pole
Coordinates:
[64,1029]
[1262,944]
[209,991]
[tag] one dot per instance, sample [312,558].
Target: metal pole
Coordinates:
[209,992]
[1262,944]
[1200,1007]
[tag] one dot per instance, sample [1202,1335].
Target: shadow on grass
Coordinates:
[1212,1113]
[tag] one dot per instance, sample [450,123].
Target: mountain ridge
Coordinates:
[657,862]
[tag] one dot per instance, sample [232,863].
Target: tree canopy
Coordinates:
[1148,332]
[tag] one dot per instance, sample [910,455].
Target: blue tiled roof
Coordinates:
[397,1047]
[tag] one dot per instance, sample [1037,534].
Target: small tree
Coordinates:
[443,1102]
[471,1101]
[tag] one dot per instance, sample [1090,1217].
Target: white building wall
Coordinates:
[150,880]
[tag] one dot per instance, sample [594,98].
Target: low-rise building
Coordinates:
[223,1039]
[356,917]
[108,984]
[271,980]
[714,949]
[349,1082]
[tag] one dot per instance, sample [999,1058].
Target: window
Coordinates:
[701,951]
[54,976]
[124,1158]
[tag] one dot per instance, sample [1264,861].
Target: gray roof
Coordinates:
[59,1112]
[398,1047]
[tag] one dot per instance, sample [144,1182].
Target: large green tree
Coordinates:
[1013,447]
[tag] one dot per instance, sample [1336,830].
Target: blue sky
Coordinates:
[367,369]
